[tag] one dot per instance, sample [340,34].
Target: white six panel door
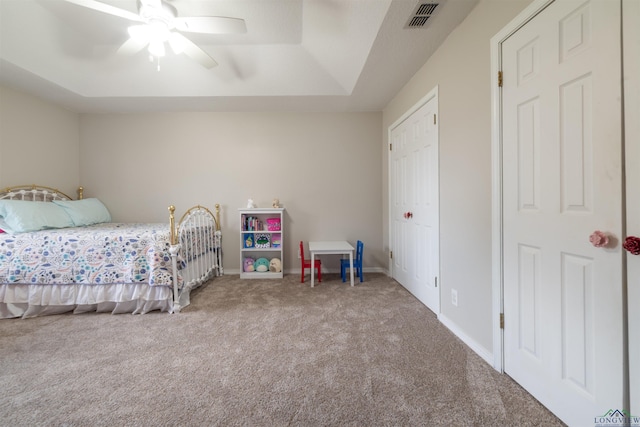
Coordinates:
[414,201]
[563,333]
[401,181]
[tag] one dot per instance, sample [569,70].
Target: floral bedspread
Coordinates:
[97,254]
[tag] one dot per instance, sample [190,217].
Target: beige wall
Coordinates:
[461,70]
[324,168]
[39,143]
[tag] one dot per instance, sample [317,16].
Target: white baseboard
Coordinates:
[485,354]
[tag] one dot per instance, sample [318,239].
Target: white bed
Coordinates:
[81,266]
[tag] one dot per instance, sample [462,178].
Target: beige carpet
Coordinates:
[257,353]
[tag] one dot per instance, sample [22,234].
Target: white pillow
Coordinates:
[22,216]
[85,212]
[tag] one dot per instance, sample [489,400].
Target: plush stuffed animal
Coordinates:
[251,204]
[261,265]
[275,265]
[275,203]
[249,264]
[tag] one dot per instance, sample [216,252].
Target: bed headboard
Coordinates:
[35,193]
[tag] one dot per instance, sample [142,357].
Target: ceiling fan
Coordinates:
[159,23]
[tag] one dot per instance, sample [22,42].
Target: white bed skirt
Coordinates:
[23,300]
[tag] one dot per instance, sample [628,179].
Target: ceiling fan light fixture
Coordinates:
[159,31]
[156,48]
[155,34]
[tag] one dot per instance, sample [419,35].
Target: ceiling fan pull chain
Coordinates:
[157,58]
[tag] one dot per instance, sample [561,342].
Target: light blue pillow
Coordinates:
[4,227]
[85,212]
[22,216]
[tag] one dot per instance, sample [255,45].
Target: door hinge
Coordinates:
[391,147]
[391,254]
[436,280]
[501,320]
[499,78]
[434,119]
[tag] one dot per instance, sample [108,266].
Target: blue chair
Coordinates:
[357,263]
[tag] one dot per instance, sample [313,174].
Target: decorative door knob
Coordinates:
[599,239]
[632,245]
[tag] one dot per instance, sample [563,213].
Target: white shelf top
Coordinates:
[261,210]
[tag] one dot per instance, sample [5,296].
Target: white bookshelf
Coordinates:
[258,241]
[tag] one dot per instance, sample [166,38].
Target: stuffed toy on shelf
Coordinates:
[275,265]
[248,264]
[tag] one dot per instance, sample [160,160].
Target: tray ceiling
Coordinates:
[320,55]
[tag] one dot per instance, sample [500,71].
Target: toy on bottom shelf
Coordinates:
[275,265]
[248,264]
[261,265]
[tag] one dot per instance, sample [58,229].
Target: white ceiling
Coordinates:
[297,55]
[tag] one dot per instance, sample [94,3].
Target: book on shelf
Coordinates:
[252,223]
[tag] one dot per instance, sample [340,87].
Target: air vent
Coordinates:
[421,15]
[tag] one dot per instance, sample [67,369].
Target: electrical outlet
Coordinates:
[299,253]
[454,297]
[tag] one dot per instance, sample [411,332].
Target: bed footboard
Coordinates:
[196,251]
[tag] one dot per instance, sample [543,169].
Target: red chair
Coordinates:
[306,263]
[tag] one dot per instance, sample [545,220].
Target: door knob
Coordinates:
[632,245]
[599,239]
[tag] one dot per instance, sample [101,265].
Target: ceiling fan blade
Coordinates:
[211,25]
[180,43]
[105,8]
[132,46]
